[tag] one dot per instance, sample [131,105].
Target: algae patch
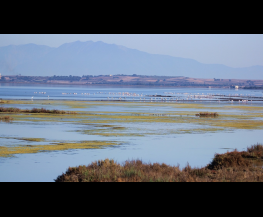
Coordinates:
[201,130]
[27,149]
[32,139]
[239,124]
[110,131]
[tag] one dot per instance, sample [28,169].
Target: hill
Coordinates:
[98,58]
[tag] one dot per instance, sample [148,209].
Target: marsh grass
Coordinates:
[207,114]
[34,110]
[11,109]
[27,149]
[229,167]
[246,121]
[88,103]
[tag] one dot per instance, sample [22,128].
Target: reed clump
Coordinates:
[42,110]
[35,110]
[207,114]
[229,167]
[11,109]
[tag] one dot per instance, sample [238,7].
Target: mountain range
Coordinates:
[99,58]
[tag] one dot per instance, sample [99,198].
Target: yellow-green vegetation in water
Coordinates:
[200,130]
[228,119]
[74,104]
[110,131]
[47,117]
[245,107]
[32,139]
[224,120]
[239,124]
[27,149]
[114,134]
[26,139]
[18,102]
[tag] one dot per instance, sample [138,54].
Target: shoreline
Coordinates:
[132,81]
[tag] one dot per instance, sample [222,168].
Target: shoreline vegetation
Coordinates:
[235,166]
[34,110]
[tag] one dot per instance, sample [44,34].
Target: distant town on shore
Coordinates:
[134,80]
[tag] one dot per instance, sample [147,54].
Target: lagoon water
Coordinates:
[196,148]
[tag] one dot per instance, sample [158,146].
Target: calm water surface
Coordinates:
[197,149]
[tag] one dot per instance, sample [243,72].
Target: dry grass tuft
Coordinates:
[207,114]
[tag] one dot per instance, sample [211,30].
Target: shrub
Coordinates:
[256,151]
[229,159]
[231,167]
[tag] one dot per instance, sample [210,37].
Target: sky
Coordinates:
[231,50]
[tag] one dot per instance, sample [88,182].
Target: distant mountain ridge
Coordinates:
[99,58]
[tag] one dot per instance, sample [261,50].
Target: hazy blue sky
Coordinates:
[230,50]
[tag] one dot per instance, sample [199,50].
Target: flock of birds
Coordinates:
[40,92]
[168,96]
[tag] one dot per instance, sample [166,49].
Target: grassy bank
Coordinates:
[233,166]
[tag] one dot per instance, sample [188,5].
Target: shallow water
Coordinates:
[195,149]
[175,139]
[85,92]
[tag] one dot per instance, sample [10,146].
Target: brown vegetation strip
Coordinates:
[35,110]
[233,166]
